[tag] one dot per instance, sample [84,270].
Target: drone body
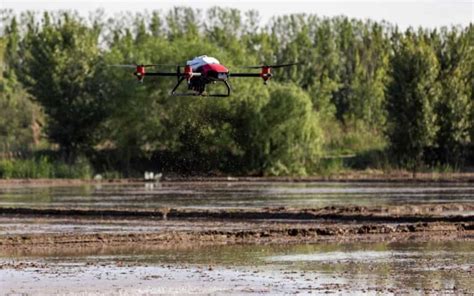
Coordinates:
[201,71]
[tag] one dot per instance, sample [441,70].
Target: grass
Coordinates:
[43,167]
[352,147]
[352,139]
[330,166]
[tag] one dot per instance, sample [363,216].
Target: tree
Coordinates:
[412,95]
[348,64]
[456,63]
[183,22]
[58,63]
[289,134]
[156,24]
[20,117]
[370,77]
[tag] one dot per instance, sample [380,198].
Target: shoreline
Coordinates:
[398,177]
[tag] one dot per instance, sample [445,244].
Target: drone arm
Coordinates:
[244,75]
[174,74]
[169,74]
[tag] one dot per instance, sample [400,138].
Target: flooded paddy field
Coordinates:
[234,194]
[237,238]
[337,268]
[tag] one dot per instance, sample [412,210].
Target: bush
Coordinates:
[290,136]
[43,168]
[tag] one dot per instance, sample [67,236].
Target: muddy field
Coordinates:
[29,228]
[103,232]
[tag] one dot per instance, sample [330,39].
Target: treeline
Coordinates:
[365,94]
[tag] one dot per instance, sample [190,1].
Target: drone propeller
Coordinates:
[142,65]
[122,66]
[270,66]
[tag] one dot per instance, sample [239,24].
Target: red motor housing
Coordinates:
[188,72]
[266,74]
[140,72]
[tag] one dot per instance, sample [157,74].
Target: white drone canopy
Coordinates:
[201,61]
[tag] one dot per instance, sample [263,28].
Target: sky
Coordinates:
[405,13]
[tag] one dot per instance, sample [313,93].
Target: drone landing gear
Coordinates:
[202,92]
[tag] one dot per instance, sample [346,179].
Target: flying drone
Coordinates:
[201,71]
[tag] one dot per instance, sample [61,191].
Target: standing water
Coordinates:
[234,195]
[398,268]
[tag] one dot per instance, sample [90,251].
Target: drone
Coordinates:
[200,72]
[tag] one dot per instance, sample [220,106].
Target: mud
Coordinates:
[183,227]
[434,268]
[281,234]
[395,213]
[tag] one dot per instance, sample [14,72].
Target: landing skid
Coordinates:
[196,94]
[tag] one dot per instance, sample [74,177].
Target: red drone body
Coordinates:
[201,71]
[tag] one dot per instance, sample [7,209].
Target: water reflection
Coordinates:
[222,195]
[407,267]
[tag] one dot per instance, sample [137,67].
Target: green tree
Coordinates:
[289,134]
[348,65]
[183,22]
[456,58]
[156,24]
[20,117]
[369,78]
[58,62]
[412,95]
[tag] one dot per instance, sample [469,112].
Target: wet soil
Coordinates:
[174,226]
[438,212]
[437,268]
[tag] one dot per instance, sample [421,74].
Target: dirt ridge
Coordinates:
[279,225]
[286,233]
[394,214]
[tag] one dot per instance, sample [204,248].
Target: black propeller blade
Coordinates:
[142,65]
[122,66]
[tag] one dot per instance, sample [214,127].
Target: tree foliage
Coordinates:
[412,94]
[456,57]
[290,134]
[357,82]
[20,118]
[58,63]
